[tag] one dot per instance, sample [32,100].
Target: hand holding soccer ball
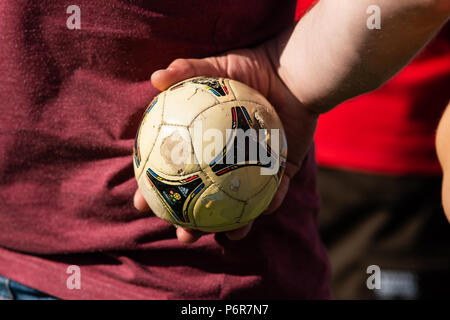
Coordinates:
[209,154]
[252,67]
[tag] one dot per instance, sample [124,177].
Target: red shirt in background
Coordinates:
[70,103]
[303,6]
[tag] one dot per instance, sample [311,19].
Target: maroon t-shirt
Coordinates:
[71,101]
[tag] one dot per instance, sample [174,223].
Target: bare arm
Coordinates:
[331,55]
[443,152]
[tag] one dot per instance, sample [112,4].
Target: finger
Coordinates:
[139,202]
[181,69]
[240,233]
[188,235]
[279,195]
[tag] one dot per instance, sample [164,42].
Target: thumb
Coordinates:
[181,69]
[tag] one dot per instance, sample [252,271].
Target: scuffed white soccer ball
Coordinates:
[209,154]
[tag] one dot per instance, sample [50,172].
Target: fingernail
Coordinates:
[156,72]
[135,200]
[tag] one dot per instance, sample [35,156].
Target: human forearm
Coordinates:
[443,152]
[331,55]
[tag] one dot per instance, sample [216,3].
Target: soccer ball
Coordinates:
[209,154]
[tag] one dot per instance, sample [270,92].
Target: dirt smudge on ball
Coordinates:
[235,184]
[259,120]
[175,150]
[210,199]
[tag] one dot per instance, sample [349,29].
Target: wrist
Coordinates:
[273,48]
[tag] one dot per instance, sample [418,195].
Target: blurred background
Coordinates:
[380,183]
